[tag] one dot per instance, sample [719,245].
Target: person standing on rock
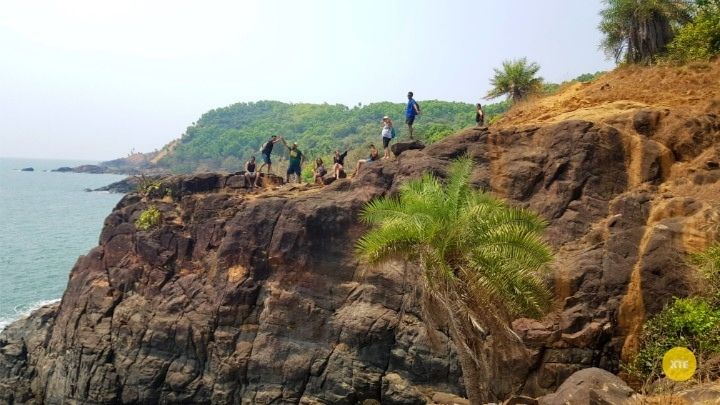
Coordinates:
[479,115]
[388,133]
[266,150]
[295,160]
[250,173]
[338,163]
[411,111]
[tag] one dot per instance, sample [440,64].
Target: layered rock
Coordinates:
[258,298]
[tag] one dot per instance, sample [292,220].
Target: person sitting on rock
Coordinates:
[266,150]
[374,155]
[250,173]
[296,158]
[319,171]
[338,162]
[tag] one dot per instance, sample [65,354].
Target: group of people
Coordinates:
[296,158]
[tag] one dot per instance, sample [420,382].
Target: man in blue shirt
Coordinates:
[411,111]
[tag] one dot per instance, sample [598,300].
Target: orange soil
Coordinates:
[695,87]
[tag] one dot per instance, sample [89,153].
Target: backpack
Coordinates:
[264,146]
[392,132]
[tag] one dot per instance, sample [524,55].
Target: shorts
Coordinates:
[266,158]
[294,169]
[410,120]
[386,142]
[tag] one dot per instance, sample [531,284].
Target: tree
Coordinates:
[481,259]
[700,38]
[639,30]
[516,79]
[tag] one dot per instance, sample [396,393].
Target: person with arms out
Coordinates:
[295,160]
[412,110]
[266,150]
[250,173]
[320,171]
[479,115]
[388,133]
[374,155]
[338,162]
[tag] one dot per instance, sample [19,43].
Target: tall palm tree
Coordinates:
[638,30]
[516,79]
[481,259]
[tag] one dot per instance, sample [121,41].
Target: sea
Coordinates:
[47,220]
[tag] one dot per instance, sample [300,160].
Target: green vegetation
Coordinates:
[692,322]
[148,219]
[647,31]
[700,38]
[224,138]
[516,79]
[708,264]
[148,186]
[481,259]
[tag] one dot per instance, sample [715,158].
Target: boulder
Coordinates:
[591,386]
[399,147]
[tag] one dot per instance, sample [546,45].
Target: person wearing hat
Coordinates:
[295,160]
[387,135]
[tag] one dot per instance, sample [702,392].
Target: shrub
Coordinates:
[700,38]
[148,219]
[687,322]
[692,322]
[148,186]
[708,263]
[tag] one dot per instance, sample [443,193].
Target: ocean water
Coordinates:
[47,221]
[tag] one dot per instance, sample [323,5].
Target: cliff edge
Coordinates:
[257,298]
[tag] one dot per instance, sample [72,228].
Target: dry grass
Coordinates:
[694,87]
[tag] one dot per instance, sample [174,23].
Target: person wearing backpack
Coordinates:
[412,110]
[388,133]
[265,151]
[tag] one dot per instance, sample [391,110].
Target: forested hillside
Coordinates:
[223,138]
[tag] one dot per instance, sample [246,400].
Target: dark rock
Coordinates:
[592,386]
[27,169]
[241,297]
[400,147]
[123,186]
[646,121]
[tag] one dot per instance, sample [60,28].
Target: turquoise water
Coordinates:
[47,221]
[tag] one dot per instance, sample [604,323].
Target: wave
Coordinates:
[23,311]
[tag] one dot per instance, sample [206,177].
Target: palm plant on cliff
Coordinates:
[516,79]
[481,259]
[639,30]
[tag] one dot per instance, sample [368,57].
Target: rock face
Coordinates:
[257,298]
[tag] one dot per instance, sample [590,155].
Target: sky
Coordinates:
[88,79]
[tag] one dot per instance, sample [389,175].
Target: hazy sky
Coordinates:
[94,79]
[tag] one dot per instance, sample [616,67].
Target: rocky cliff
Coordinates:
[244,297]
